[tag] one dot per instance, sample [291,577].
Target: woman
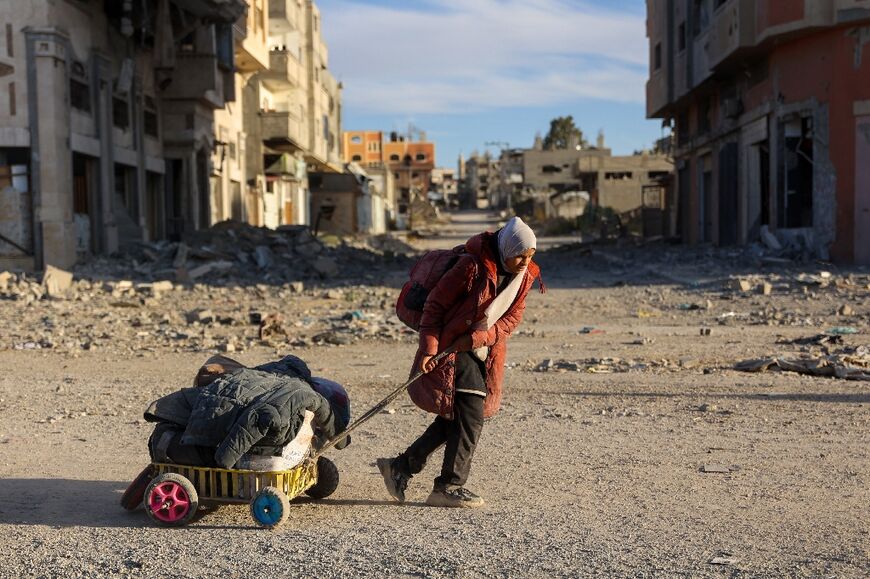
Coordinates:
[474,308]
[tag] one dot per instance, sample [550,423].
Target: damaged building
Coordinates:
[107,116]
[141,120]
[770,107]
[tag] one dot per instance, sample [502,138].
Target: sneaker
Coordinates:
[459,497]
[395,481]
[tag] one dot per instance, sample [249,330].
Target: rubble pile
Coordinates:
[234,252]
[227,289]
[139,317]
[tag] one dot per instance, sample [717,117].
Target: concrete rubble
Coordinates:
[202,294]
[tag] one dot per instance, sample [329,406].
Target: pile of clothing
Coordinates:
[239,417]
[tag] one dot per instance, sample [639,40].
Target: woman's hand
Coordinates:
[427,363]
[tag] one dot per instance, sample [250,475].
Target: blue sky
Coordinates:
[470,72]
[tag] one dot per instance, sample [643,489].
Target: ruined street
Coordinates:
[629,442]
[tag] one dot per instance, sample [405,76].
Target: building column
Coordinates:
[103,120]
[51,157]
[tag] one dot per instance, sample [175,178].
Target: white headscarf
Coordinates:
[515,238]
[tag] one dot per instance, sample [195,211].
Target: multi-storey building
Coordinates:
[481,176]
[129,121]
[106,122]
[410,161]
[237,186]
[770,105]
[293,114]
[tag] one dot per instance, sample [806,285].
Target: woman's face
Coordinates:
[518,263]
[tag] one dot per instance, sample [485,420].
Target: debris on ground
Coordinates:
[846,363]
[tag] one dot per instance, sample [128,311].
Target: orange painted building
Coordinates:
[411,162]
[769,101]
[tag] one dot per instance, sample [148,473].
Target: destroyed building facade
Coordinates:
[770,106]
[133,121]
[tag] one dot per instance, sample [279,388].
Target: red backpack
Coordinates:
[425,275]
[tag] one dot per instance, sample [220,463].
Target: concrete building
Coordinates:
[107,122]
[615,182]
[237,187]
[132,121]
[770,104]
[292,115]
[346,203]
[411,161]
[444,187]
[481,178]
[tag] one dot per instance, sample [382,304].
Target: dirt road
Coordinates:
[616,407]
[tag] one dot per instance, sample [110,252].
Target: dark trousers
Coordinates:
[459,437]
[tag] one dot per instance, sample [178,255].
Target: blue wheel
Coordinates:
[270,507]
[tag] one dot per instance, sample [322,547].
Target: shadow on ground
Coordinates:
[66,503]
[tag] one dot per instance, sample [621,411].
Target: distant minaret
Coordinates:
[460,166]
[539,142]
[599,142]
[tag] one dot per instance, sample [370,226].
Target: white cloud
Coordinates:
[465,55]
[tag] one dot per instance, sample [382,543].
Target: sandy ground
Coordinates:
[585,474]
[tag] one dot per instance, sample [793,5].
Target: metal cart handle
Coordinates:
[377,408]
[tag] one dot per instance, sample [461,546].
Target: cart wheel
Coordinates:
[327,479]
[270,507]
[171,500]
[134,494]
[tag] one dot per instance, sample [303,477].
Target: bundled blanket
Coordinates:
[235,410]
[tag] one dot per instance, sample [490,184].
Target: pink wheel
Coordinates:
[171,500]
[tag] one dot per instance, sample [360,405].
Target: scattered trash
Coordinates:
[705,331]
[647,313]
[715,469]
[842,330]
[591,330]
[688,307]
[723,559]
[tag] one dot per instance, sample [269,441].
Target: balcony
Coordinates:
[284,72]
[250,47]
[284,16]
[281,130]
[656,94]
[197,76]
[732,31]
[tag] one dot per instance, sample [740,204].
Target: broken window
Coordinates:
[356,158]
[617,175]
[657,56]
[681,37]
[551,169]
[120,113]
[795,171]
[653,175]
[394,157]
[420,157]
[79,91]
